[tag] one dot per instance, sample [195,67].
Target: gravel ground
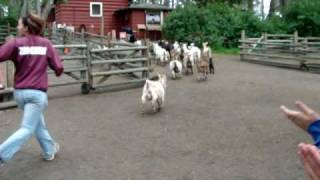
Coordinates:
[229,127]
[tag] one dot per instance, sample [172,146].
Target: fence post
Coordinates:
[85,87]
[295,40]
[145,53]
[90,70]
[265,37]
[9,29]
[305,45]
[9,74]
[243,38]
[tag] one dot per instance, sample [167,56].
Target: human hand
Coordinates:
[310,157]
[9,38]
[303,117]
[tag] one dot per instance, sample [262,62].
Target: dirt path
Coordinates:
[229,127]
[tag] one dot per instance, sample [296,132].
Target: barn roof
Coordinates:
[146,6]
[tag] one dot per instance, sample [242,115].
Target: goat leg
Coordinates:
[143,108]
[159,102]
[154,106]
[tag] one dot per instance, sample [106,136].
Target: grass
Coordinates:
[228,51]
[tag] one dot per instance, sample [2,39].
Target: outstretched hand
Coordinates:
[310,157]
[303,117]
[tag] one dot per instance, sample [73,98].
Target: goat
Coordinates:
[195,53]
[188,64]
[207,52]
[154,92]
[203,64]
[175,68]
[138,42]
[160,53]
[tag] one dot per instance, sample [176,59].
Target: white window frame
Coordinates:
[101,9]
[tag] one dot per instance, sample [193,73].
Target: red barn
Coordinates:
[143,19]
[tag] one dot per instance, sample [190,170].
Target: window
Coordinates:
[95,9]
[153,18]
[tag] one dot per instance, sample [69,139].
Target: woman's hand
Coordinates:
[303,117]
[9,38]
[310,157]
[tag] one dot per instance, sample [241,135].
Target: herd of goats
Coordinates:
[184,58]
[181,58]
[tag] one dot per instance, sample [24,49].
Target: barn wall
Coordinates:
[77,12]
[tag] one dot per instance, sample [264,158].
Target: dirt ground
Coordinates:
[229,127]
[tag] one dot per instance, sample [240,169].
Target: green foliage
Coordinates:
[219,24]
[304,16]
[229,51]
[275,25]
[8,20]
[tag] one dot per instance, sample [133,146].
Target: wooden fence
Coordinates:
[5,31]
[90,62]
[282,50]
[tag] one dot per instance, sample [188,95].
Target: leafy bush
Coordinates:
[275,25]
[219,24]
[11,20]
[304,16]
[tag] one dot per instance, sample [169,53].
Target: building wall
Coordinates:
[137,17]
[77,13]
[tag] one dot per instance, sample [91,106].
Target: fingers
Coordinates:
[314,155]
[296,117]
[286,110]
[311,175]
[289,113]
[306,110]
[310,157]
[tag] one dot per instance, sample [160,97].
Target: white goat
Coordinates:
[138,42]
[208,53]
[154,92]
[195,52]
[176,51]
[160,53]
[176,45]
[188,63]
[175,68]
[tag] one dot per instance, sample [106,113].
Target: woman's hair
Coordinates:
[34,24]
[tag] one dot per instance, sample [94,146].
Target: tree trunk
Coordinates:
[272,9]
[38,4]
[250,5]
[25,8]
[262,9]
[46,10]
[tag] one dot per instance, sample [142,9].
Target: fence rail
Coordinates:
[282,50]
[89,61]
[5,31]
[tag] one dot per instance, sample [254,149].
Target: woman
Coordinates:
[31,54]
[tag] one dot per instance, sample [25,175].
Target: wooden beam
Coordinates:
[118,49]
[70,46]
[131,70]
[118,61]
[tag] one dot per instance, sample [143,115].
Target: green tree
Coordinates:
[304,16]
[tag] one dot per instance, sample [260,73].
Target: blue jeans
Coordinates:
[32,103]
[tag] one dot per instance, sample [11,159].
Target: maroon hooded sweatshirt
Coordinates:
[31,56]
